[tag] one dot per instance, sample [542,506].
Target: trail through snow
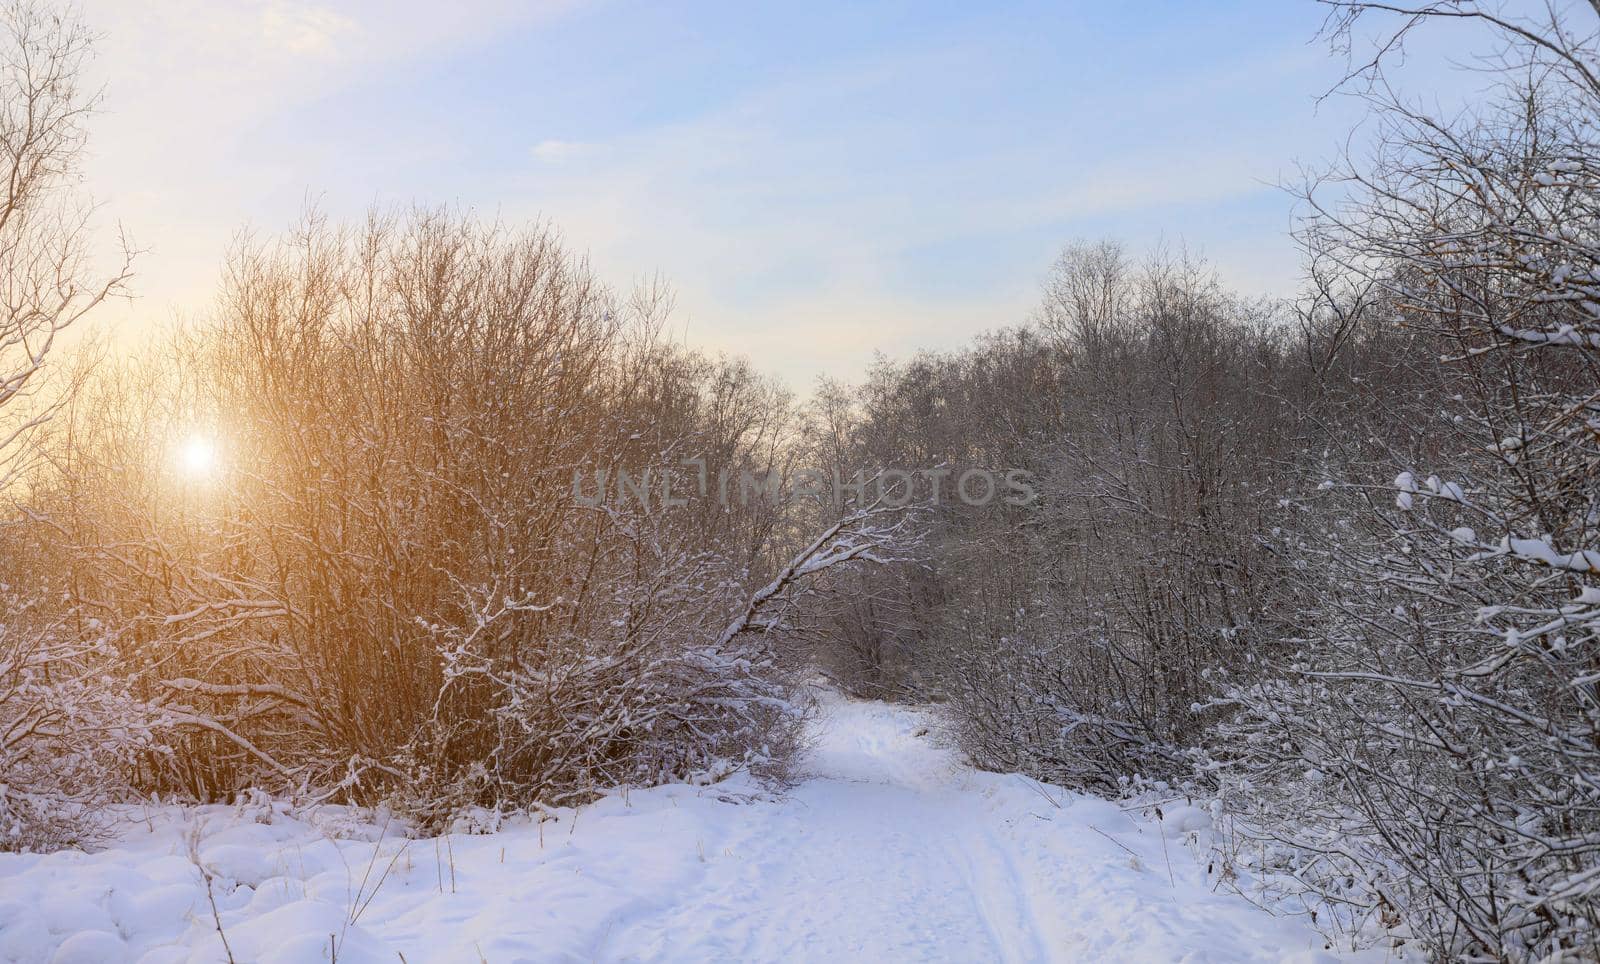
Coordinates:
[889,850]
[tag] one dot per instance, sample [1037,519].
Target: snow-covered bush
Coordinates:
[397,578]
[63,727]
[1431,747]
[70,731]
[1072,636]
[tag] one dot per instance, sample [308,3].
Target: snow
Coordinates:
[888,849]
[1540,550]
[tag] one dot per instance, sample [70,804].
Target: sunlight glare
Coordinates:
[197,457]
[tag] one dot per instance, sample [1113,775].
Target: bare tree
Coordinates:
[56,722]
[403,580]
[1442,695]
[46,278]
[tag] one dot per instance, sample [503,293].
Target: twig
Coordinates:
[451,850]
[1162,829]
[1114,840]
[205,875]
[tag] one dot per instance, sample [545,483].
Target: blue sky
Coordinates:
[817,181]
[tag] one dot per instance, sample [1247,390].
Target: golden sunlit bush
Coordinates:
[334,536]
[61,728]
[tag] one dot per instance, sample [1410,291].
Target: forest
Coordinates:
[424,514]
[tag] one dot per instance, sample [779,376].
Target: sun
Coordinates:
[197,457]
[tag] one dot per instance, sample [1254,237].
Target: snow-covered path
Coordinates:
[894,851]
[888,851]
[880,851]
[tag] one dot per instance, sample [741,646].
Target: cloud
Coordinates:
[555,151]
[237,58]
[836,331]
[809,245]
[180,153]
[304,29]
[808,214]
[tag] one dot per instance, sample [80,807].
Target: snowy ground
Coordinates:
[889,851]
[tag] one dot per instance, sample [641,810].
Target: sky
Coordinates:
[816,181]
